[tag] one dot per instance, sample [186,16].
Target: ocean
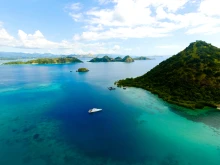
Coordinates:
[44,119]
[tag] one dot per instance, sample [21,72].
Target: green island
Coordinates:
[190,79]
[62,60]
[82,70]
[142,58]
[108,59]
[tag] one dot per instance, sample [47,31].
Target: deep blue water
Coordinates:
[44,119]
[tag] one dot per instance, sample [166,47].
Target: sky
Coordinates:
[126,27]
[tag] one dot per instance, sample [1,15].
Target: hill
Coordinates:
[127,59]
[190,79]
[103,59]
[47,61]
[108,59]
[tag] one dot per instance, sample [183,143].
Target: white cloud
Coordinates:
[169,46]
[128,49]
[4,35]
[74,6]
[206,29]
[94,28]
[6,39]
[151,18]
[210,7]
[133,12]
[125,19]
[124,13]
[76,17]
[104,1]
[116,47]
[124,33]
[73,10]
[170,5]
[38,43]
[36,40]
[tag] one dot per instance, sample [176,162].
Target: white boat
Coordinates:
[94,110]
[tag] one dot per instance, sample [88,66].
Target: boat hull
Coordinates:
[94,110]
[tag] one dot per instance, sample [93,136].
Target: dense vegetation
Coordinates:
[127,59]
[47,61]
[190,79]
[103,59]
[82,70]
[142,58]
[118,59]
[108,59]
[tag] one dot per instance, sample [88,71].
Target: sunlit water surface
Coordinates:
[44,119]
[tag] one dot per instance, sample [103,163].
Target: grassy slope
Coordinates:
[82,70]
[190,79]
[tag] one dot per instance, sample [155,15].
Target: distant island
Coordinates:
[82,70]
[20,55]
[62,60]
[190,79]
[142,58]
[108,59]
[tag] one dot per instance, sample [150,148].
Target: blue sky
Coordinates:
[135,27]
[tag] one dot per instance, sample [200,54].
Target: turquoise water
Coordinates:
[44,119]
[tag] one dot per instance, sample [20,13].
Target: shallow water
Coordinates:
[44,119]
